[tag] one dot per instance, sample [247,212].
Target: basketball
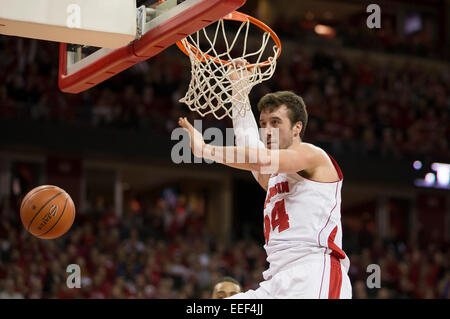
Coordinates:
[47,212]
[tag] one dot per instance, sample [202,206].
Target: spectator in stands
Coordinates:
[226,287]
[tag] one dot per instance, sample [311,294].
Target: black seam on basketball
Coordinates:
[39,190]
[73,213]
[29,225]
[62,213]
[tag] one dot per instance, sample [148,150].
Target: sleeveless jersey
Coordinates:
[302,218]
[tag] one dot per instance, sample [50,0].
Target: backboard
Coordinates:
[88,22]
[159,24]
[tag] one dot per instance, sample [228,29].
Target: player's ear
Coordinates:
[298,128]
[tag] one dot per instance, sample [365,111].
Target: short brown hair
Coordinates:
[294,103]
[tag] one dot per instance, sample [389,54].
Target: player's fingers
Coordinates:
[237,63]
[185,124]
[240,62]
[182,123]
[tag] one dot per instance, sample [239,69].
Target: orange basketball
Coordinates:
[47,212]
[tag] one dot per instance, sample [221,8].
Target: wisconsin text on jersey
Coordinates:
[278,188]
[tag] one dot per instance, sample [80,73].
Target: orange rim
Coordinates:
[241,17]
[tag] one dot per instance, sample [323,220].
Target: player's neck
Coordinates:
[295,142]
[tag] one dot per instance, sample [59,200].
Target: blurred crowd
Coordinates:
[412,268]
[155,250]
[354,34]
[357,105]
[160,249]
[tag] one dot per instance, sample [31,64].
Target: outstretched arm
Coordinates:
[265,161]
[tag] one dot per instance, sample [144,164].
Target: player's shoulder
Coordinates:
[313,155]
[311,146]
[320,165]
[311,149]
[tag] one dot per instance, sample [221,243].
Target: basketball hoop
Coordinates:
[213,57]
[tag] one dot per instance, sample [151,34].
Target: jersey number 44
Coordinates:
[278,218]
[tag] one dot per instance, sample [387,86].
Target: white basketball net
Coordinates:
[211,89]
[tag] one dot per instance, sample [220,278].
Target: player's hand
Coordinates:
[236,70]
[197,141]
[239,76]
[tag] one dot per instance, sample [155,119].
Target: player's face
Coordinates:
[225,289]
[273,122]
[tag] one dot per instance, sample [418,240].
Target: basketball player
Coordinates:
[302,222]
[226,287]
